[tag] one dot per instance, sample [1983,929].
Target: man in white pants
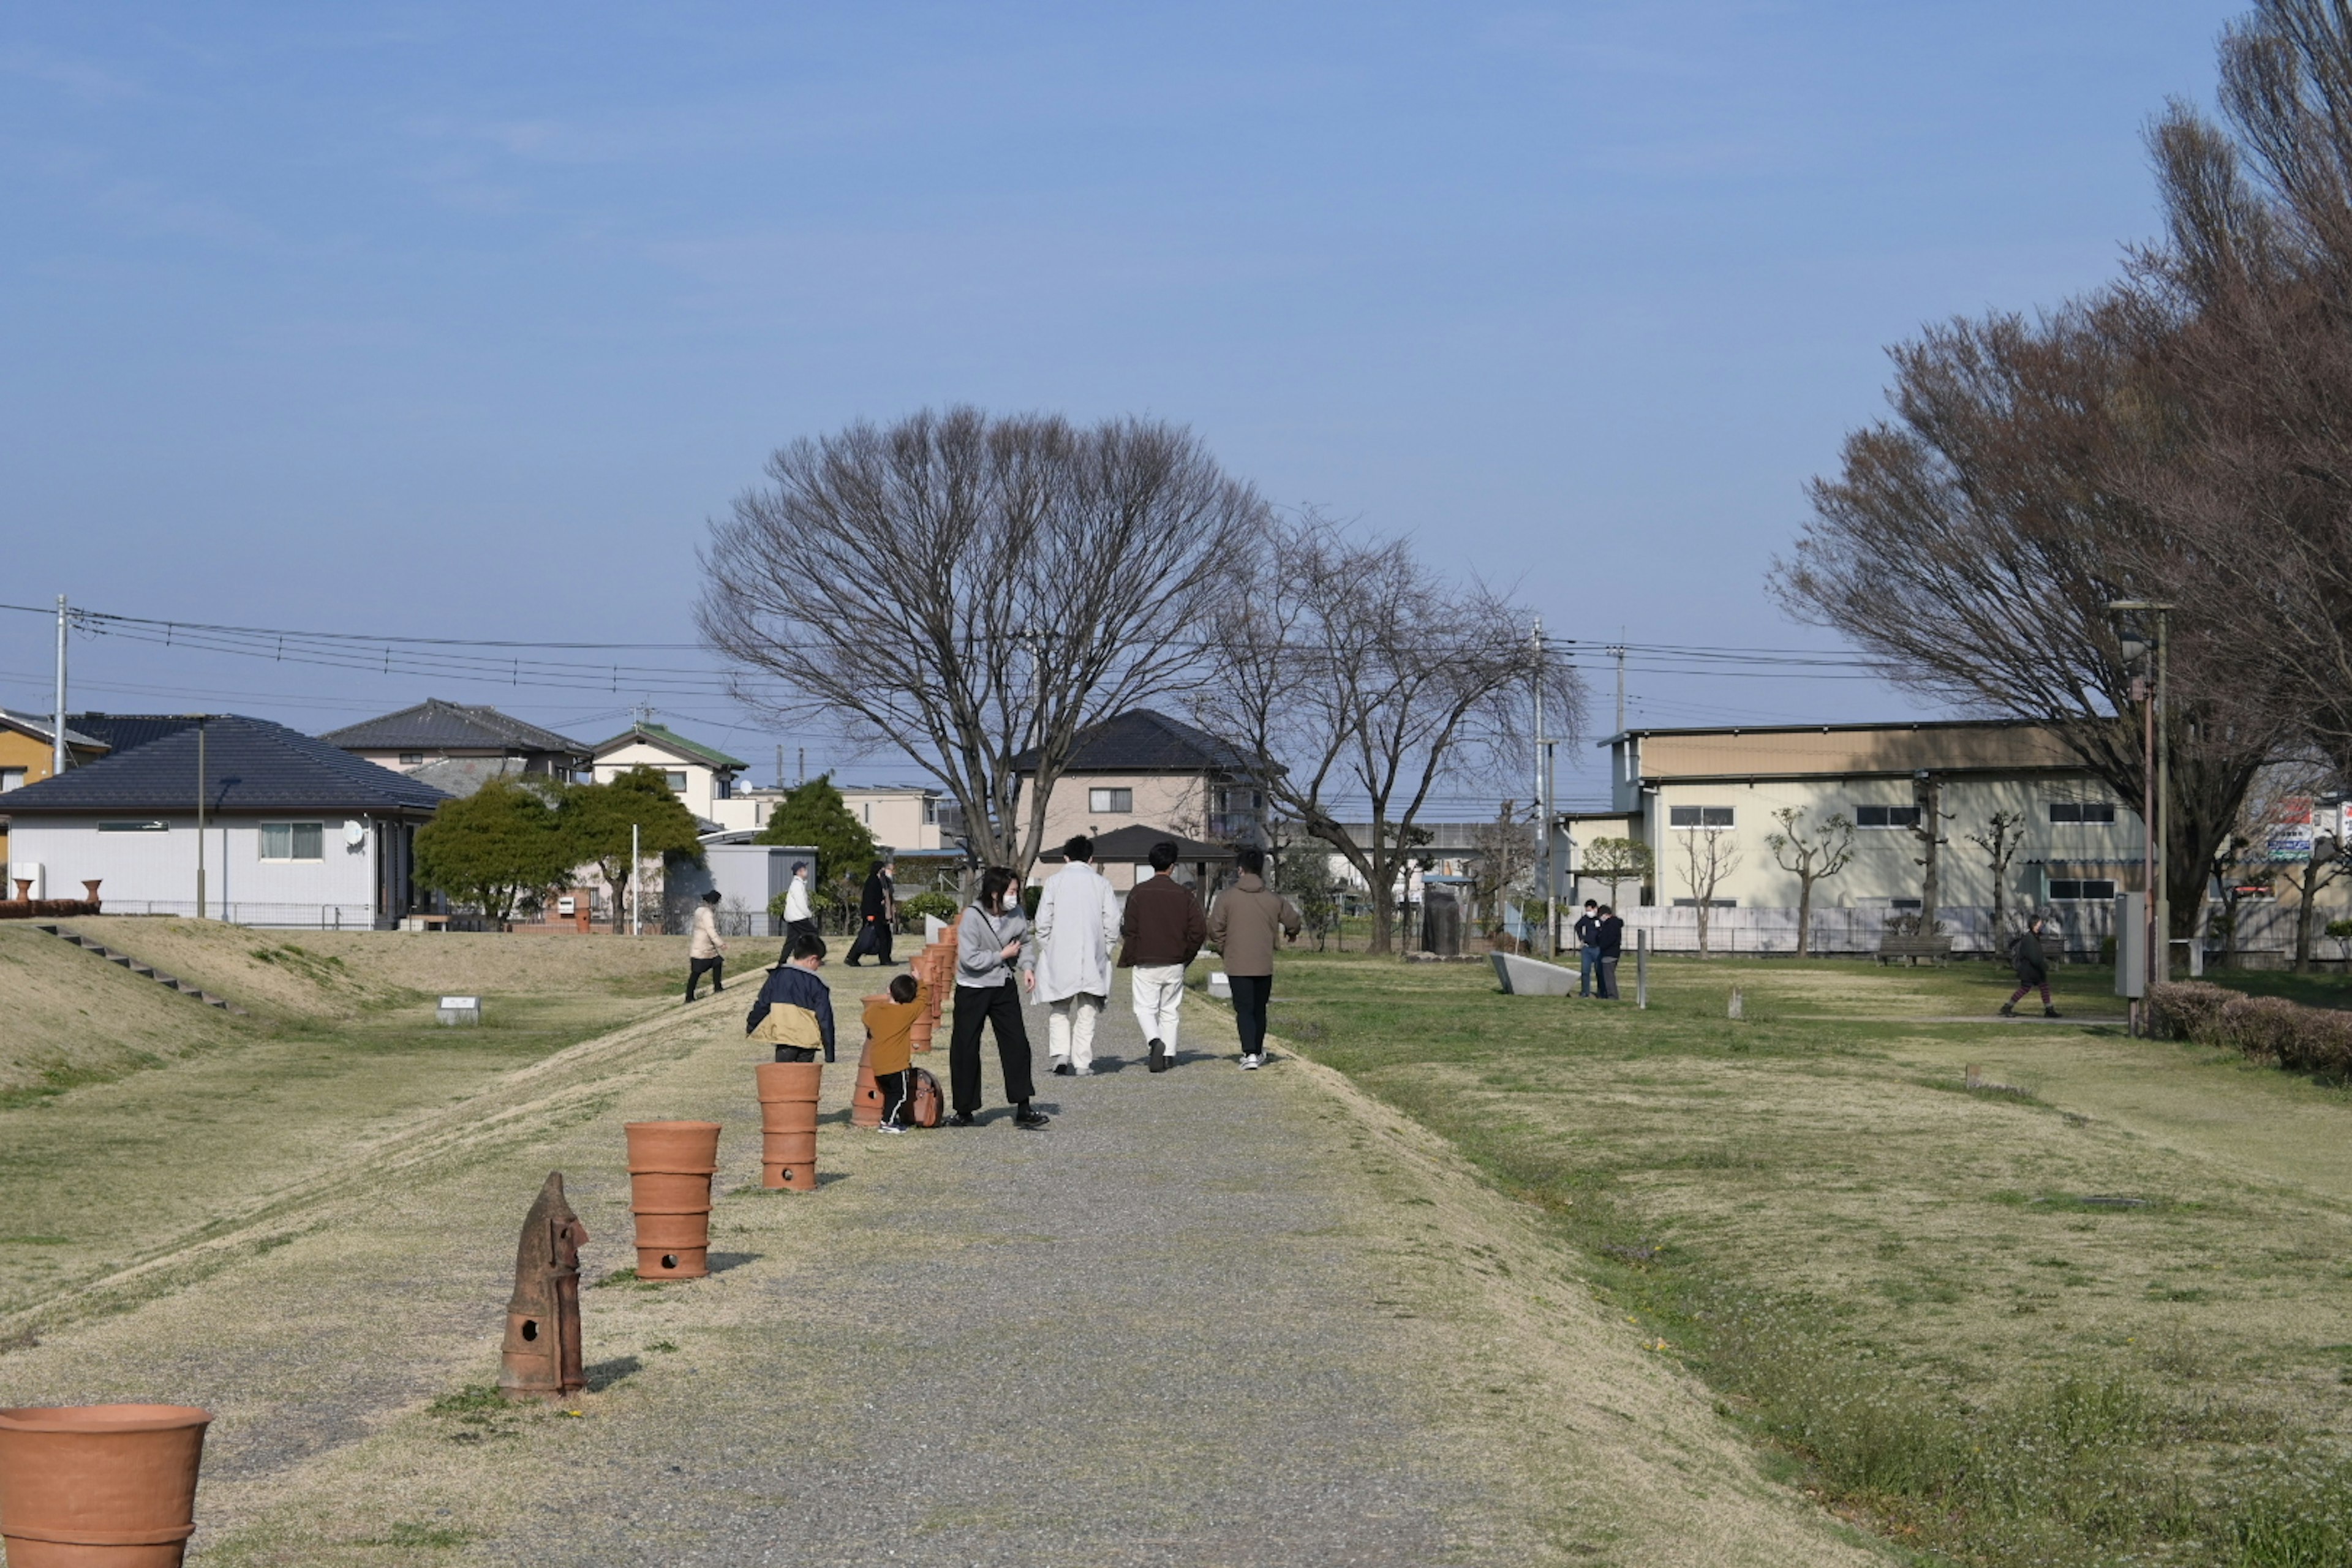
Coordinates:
[1068,965]
[1163,932]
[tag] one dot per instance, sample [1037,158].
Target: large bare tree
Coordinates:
[1358,680]
[965,588]
[1974,542]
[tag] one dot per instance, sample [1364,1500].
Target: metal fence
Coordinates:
[243,913]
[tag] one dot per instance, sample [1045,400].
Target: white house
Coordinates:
[296,832]
[904,817]
[702,777]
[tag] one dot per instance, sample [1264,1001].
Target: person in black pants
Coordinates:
[1612,933]
[988,942]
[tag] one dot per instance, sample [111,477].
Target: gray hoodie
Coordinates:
[979,945]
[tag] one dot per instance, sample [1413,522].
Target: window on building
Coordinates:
[411,759]
[723,786]
[1700,817]
[2084,889]
[1111,800]
[1886,816]
[676,782]
[293,841]
[2090,811]
[1711,903]
[11,778]
[930,812]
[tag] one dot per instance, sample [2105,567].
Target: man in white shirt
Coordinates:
[799,919]
[1068,966]
[705,953]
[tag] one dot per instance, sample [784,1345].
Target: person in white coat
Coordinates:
[1068,966]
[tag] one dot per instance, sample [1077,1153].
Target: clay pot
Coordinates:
[673,1263]
[918,1034]
[668,1230]
[788,1098]
[89,885]
[787,1116]
[673,1145]
[99,1486]
[866,1103]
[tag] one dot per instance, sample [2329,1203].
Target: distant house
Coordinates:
[462,745]
[702,777]
[901,816]
[27,749]
[297,832]
[126,732]
[1142,768]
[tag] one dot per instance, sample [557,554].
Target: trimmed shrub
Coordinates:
[2263,1028]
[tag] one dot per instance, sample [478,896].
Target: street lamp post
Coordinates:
[2145,640]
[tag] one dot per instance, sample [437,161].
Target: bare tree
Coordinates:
[1618,860]
[1809,860]
[1505,848]
[1708,856]
[1999,839]
[1973,544]
[965,589]
[1357,680]
[1929,791]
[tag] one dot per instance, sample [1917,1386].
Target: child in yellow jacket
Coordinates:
[889,1024]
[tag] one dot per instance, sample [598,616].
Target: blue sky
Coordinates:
[463,320]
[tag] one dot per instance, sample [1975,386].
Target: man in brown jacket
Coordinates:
[1242,926]
[1161,932]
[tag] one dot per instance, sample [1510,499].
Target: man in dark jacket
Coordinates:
[1588,942]
[1161,932]
[877,908]
[1609,941]
[2032,966]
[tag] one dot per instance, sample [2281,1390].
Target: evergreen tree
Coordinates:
[596,819]
[494,846]
[815,816]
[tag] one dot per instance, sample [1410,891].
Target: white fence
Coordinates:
[2263,930]
[306,917]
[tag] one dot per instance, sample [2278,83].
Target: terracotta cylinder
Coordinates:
[787,1116]
[789,1149]
[99,1486]
[671,1230]
[918,1035]
[790,1081]
[673,1263]
[866,1104]
[658,1192]
[673,1145]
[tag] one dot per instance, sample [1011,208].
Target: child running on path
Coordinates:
[889,1027]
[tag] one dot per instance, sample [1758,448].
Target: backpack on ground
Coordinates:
[925,1105]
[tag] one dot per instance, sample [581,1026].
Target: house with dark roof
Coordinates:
[295,832]
[1143,769]
[435,733]
[699,775]
[121,731]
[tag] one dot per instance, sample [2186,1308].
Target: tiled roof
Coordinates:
[39,726]
[250,765]
[435,725]
[1143,741]
[710,756]
[1134,842]
[121,731]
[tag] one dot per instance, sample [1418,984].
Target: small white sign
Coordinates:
[475,1002]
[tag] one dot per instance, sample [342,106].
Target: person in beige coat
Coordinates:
[1243,924]
[705,953]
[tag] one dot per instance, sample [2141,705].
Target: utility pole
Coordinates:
[636,881]
[780,765]
[1542,799]
[58,739]
[2149,640]
[1620,651]
[204,788]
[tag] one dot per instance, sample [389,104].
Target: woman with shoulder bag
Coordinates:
[989,940]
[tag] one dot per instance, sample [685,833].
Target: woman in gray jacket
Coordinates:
[989,939]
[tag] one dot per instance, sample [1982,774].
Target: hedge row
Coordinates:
[2265,1028]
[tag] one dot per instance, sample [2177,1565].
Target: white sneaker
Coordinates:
[1086,1071]
[1250,1064]
[889,1127]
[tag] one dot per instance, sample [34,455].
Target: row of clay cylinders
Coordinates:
[788,1092]
[670,1167]
[99,1486]
[935,966]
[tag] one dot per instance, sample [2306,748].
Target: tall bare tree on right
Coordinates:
[1360,682]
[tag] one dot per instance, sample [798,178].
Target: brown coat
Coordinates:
[1243,921]
[888,1024]
[1162,924]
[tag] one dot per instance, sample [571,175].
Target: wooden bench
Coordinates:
[1934,949]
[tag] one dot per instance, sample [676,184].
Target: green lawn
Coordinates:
[2099,1311]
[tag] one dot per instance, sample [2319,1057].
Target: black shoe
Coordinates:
[1024,1117]
[960,1119]
[1159,1057]
[2050,1012]
[1064,1070]
[2008,1009]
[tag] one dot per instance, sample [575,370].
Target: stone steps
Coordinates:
[147,971]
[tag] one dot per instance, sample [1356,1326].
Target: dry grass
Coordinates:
[67,1017]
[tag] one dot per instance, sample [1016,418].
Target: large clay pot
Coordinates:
[918,1034]
[670,1165]
[673,1145]
[788,1100]
[99,1486]
[866,1103]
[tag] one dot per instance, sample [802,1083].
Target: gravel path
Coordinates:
[1144,1335]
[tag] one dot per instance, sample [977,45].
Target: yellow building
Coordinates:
[26,751]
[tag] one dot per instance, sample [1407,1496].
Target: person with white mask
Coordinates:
[1068,967]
